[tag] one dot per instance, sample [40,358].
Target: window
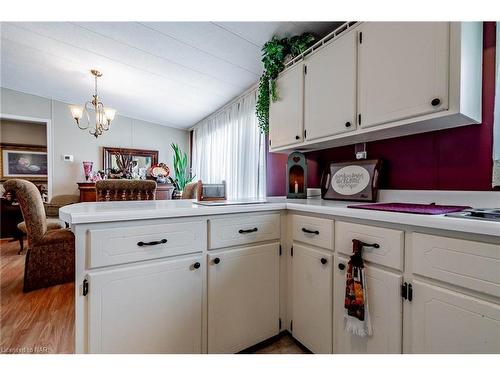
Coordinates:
[229,146]
[496,124]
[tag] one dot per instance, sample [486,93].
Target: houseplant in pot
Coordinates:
[182,176]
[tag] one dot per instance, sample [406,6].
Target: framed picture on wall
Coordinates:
[23,161]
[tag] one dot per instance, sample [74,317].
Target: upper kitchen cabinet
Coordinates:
[286,115]
[396,78]
[330,89]
[403,70]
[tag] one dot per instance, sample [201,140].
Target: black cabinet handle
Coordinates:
[152,243]
[348,124]
[196,265]
[374,245]
[297,137]
[324,261]
[305,230]
[216,260]
[410,292]
[435,102]
[243,231]
[341,266]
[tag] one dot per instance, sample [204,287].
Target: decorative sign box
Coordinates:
[352,181]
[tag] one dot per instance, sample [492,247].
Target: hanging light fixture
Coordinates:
[103,115]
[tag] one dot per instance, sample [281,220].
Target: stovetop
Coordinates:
[491,214]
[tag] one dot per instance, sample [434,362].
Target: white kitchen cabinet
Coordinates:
[312,298]
[286,115]
[146,308]
[444,321]
[403,70]
[243,297]
[330,89]
[386,312]
[407,78]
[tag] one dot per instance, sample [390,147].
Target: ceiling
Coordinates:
[171,73]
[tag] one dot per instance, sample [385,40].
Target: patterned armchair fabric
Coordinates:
[50,259]
[190,191]
[125,190]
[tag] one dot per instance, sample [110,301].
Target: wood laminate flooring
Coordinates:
[41,321]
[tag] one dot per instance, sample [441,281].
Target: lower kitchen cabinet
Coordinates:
[243,297]
[444,321]
[146,308]
[312,298]
[386,312]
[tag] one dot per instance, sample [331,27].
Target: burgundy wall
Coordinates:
[452,159]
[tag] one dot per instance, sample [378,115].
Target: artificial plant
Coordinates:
[182,175]
[275,53]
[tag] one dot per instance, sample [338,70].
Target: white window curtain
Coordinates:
[229,147]
[496,123]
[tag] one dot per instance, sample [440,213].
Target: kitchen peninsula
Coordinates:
[177,277]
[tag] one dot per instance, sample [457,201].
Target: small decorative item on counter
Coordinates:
[87,169]
[160,172]
[353,181]
[296,175]
[114,173]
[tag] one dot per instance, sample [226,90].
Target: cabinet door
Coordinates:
[386,309]
[330,89]
[403,67]
[443,321]
[312,294]
[243,297]
[150,308]
[286,115]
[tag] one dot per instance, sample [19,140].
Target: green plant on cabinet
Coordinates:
[181,173]
[275,54]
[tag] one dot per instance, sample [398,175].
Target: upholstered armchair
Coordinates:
[50,259]
[125,190]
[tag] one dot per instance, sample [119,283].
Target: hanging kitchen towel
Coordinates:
[357,315]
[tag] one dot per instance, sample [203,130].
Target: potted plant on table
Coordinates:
[182,176]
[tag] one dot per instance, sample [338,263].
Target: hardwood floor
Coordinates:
[41,321]
[284,343]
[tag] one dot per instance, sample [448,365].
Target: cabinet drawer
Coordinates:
[313,231]
[240,230]
[143,242]
[470,264]
[391,242]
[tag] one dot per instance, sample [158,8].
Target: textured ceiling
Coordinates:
[171,73]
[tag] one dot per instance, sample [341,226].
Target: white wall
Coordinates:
[68,139]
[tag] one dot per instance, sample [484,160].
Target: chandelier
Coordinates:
[103,115]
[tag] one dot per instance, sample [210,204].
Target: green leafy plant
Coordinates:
[182,176]
[274,55]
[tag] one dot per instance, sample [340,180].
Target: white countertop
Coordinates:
[138,210]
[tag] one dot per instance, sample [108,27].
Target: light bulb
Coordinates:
[109,113]
[76,112]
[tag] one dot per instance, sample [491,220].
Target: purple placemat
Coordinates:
[411,208]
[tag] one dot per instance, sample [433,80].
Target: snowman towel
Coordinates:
[357,315]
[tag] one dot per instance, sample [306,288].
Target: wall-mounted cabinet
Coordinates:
[379,80]
[330,89]
[287,113]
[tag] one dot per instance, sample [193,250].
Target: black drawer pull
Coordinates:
[297,137]
[324,261]
[243,231]
[196,265]
[374,245]
[152,243]
[435,102]
[341,266]
[216,260]
[348,124]
[305,230]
